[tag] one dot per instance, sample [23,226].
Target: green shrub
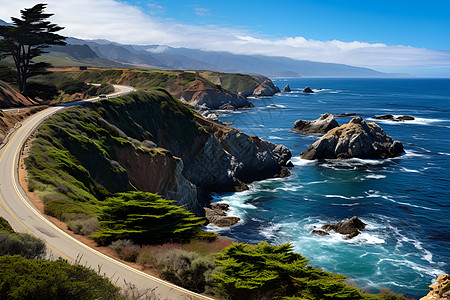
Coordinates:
[275,272]
[23,244]
[4,226]
[145,218]
[84,224]
[126,249]
[21,278]
[186,269]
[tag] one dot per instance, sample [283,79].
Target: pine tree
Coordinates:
[26,39]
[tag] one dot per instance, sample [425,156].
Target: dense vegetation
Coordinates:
[24,274]
[72,166]
[275,272]
[146,219]
[23,278]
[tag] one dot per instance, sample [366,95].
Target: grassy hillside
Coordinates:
[72,163]
[234,82]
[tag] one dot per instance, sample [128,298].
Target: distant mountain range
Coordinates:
[159,56]
[104,53]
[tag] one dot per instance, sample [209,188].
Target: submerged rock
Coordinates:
[322,125]
[286,89]
[439,290]
[393,118]
[355,139]
[350,227]
[217,215]
[319,232]
[308,90]
[345,115]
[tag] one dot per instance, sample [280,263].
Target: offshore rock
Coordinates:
[439,290]
[217,215]
[322,125]
[393,118]
[350,227]
[286,89]
[308,90]
[355,139]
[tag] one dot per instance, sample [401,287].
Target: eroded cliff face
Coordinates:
[157,171]
[229,159]
[202,96]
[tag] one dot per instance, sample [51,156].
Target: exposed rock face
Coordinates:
[159,172]
[355,139]
[287,89]
[308,90]
[393,118]
[203,97]
[439,290]
[350,227]
[320,232]
[322,125]
[266,88]
[237,159]
[216,214]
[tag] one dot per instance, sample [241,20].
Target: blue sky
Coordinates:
[396,22]
[390,36]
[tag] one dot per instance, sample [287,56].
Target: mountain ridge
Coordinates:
[161,56]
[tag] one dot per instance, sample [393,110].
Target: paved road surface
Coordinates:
[24,217]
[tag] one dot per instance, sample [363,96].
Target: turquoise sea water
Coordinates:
[404,201]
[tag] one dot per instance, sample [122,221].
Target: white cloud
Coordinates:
[124,23]
[200,11]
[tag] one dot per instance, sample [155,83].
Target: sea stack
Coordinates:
[287,89]
[322,125]
[350,228]
[355,139]
[308,90]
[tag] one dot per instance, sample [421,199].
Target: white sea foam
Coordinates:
[345,204]
[375,176]
[376,194]
[410,170]
[354,162]
[272,137]
[297,161]
[443,153]
[343,197]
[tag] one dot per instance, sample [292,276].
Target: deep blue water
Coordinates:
[404,201]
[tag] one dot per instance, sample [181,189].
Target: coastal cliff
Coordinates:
[144,141]
[201,89]
[242,84]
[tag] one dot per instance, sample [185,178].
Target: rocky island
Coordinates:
[355,139]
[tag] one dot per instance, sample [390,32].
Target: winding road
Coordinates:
[24,217]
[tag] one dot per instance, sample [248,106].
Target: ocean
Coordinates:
[404,201]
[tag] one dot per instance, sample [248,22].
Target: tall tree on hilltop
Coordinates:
[26,39]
